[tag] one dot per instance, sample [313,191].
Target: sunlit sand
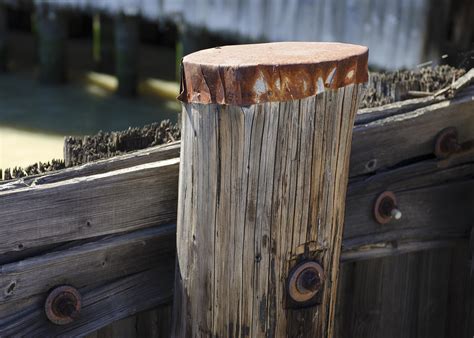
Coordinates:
[22,148]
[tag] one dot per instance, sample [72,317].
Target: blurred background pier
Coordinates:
[72,67]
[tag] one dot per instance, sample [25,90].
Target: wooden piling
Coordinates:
[103,27]
[126,54]
[52,34]
[3,38]
[264,164]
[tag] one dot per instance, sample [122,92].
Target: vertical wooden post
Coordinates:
[3,38]
[52,33]
[103,27]
[264,164]
[126,54]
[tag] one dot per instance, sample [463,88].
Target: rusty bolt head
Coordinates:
[305,281]
[446,143]
[63,305]
[386,208]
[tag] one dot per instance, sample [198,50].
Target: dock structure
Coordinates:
[401,33]
[3,38]
[105,231]
[126,54]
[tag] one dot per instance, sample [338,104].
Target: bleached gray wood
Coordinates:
[79,266]
[259,187]
[102,305]
[82,207]
[152,154]
[384,143]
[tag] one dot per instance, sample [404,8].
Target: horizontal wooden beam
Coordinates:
[148,155]
[102,305]
[392,141]
[88,206]
[428,213]
[96,262]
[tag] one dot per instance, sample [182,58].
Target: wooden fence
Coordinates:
[107,228]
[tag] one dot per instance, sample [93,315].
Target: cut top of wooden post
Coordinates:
[271,72]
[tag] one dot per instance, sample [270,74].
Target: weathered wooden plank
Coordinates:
[387,142]
[153,154]
[359,220]
[80,266]
[430,213]
[124,328]
[84,207]
[415,295]
[367,115]
[433,293]
[102,305]
[156,322]
[380,308]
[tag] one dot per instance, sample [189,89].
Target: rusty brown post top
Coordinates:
[265,146]
[281,71]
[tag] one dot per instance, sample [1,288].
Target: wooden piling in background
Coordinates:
[3,38]
[52,34]
[266,139]
[126,54]
[103,27]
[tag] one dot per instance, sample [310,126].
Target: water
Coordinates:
[34,118]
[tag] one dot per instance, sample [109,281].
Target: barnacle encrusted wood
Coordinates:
[282,71]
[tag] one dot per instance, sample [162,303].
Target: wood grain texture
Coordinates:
[152,154]
[151,323]
[102,305]
[385,143]
[88,206]
[98,261]
[261,187]
[420,220]
[422,294]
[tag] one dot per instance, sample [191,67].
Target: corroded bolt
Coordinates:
[63,305]
[386,208]
[308,281]
[305,281]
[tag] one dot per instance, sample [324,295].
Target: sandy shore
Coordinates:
[22,148]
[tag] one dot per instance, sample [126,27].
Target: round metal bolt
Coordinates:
[308,281]
[446,143]
[396,214]
[305,281]
[386,208]
[63,305]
